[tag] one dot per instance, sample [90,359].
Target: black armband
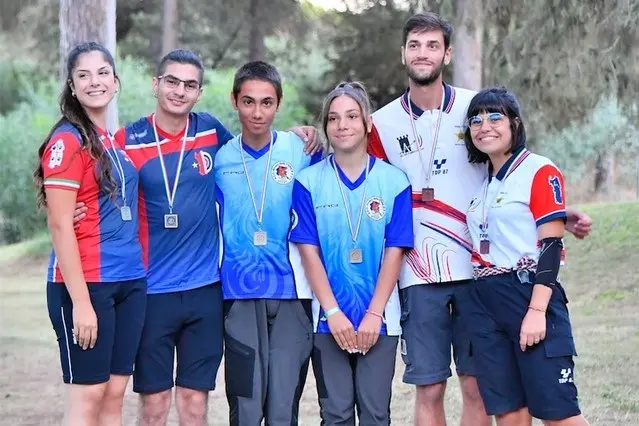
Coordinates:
[549,261]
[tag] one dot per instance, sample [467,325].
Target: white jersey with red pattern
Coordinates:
[443,246]
[527,192]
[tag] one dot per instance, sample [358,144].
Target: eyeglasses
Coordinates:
[172,82]
[494,119]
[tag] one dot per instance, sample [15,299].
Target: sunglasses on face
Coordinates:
[493,119]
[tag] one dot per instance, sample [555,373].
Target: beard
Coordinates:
[425,80]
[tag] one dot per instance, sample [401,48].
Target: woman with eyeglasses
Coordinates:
[352,223]
[522,339]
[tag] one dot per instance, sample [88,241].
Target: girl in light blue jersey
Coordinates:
[352,223]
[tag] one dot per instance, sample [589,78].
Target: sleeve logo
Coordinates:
[555,185]
[57,153]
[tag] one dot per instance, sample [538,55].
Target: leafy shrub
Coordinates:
[608,129]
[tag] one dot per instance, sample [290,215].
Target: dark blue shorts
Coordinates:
[119,307]
[542,377]
[189,322]
[432,323]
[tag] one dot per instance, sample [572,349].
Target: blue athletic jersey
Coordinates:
[319,218]
[248,271]
[186,257]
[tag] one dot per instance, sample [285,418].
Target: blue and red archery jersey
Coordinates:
[185,257]
[108,246]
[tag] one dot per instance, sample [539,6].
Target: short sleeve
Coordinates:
[63,162]
[547,197]
[399,231]
[304,226]
[375,146]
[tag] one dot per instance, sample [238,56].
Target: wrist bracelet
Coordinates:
[537,309]
[376,314]
[331,311]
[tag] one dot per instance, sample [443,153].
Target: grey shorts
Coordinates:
[432,322]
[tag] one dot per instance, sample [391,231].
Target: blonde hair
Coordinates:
[354,90]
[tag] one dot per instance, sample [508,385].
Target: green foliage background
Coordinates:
[35,111]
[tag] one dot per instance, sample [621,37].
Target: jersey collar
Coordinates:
[515,160]
[360,180]
[449,99]
[258,153]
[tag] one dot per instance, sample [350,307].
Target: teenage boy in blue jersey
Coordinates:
[267,308]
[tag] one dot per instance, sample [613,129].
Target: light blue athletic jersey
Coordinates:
[248,271]
[319,218]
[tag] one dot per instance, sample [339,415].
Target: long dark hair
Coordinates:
[74,114]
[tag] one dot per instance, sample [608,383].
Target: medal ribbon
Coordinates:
[354,233]
[259,214]
[117,164]
[170,196]
[428,170]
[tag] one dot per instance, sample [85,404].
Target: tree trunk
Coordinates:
[467,52]
[256,36]
[604,174]
[84,21]
[169,27]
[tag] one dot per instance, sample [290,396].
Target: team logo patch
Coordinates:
[565,376]
[203,162]
[555,184]
[407,147]
[282,172]
[57,154]
[375,208]
[440,167]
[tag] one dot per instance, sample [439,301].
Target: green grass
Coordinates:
[36,247]
[600,277]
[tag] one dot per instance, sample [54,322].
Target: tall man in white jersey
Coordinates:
[421,132]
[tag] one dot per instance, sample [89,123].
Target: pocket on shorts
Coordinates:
[560,346]
[239,368]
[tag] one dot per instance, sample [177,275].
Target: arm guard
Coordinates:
[549,261]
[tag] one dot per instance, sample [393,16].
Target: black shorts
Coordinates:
[189,322]
[119,307]
[542,377]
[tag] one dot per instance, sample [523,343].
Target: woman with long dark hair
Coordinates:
[96,289]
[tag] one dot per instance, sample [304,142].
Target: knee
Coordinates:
[155,405]
[191,403]
[470,390]
[113,399]
[431,395]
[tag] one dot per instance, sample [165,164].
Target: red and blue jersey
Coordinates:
[109,246]
[185,257]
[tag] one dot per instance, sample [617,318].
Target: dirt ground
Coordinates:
[602,284]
